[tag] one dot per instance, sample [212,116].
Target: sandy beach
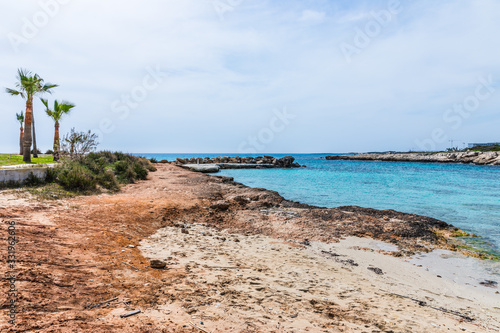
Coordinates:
[237,260]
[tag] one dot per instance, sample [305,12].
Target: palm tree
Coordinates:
[28,86]
[60,109]
[20,119]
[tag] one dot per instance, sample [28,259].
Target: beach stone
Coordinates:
[220,205]
[489,283]
[158,264]
[376,270]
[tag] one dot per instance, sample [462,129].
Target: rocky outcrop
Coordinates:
[479,158]
[226,162]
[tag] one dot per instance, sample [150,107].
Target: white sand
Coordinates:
[284,288]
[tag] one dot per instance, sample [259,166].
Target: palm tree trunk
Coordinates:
[21,141]
[56,141]
[35,150]
[27,131]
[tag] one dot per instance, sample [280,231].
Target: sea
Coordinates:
[466,196]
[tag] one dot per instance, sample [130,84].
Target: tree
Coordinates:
[20,119]
[78,144]
[28,86]
[33,133]
[59,109]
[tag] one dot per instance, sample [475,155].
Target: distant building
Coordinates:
[471,145]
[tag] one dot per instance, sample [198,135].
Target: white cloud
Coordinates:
[312,16]
[225,77]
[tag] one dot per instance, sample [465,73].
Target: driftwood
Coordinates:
[423,303]
[137,269]
[125,315]
[102,303]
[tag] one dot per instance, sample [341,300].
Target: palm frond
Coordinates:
[48,86]
[13,92]
[20,117]
[45,102]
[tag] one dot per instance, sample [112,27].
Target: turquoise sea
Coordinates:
[467,196]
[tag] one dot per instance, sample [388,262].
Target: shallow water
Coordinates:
[467,196]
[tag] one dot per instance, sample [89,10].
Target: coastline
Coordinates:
[94,234]
[477,158]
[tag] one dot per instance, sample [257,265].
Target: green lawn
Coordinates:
[7,159]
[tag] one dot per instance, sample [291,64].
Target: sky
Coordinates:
[258,76]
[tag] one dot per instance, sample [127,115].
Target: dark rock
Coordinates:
[489,283]
[376,270]
[220,205]
[158,264]
[239,199]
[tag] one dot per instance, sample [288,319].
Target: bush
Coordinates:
[51,175]
[124,172]
[108,180]
[153,160]
[32,180]
[76,177]
[49,152]
[104,169]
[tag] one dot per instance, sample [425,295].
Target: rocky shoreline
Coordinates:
[478,158]
[213,165]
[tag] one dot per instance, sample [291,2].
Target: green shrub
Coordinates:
[32,180]
[140,171]
[125,172]
[104,169]
[51,175]
[108,180]
[76,177]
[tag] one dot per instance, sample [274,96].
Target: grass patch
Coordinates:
[8,159]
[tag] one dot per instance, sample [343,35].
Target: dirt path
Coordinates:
[75,253]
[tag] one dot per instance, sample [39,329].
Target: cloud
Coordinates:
[312,16]
[225,77]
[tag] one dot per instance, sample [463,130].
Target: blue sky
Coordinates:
[241,76]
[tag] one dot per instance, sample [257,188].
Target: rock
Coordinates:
[286,162]
[489,283]
[131,246]
[480,158]
[220,205]
[376,270]
[158,264]
[239,199]
[205,168]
